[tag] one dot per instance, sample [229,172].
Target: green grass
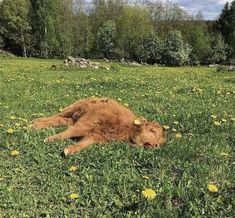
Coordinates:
[109,177]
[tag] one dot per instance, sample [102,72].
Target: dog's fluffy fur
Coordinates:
[98,120]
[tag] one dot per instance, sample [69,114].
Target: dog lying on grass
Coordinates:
[98,120]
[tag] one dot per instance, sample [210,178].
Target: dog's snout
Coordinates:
[74,117]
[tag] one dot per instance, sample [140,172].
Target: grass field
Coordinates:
[195,103]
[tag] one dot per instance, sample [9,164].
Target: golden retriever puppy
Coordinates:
[99,120]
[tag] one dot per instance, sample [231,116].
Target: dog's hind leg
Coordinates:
[53,121]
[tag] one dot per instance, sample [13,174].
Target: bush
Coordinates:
[175,52]
[151,49]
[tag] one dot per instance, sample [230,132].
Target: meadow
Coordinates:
[192,174]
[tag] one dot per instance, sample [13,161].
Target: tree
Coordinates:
[44,23]
[200,42]
[15,25]
[106,39]
[151,49]
[132,26]
[217,54]
[176,53]
[225,24]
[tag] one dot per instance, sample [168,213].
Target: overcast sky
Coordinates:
[210,8]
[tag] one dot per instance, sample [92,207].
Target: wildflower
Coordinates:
[174,130]
[15,153]
[224,154]
[145,177]
[72,168]
[178,135]
[212,188]
[61,109]
[217,123]
[73,196]
[176,122]
[213,116]
[127,105]
[149,193]
[10,131]
[166,127]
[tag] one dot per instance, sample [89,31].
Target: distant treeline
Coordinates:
[149,31]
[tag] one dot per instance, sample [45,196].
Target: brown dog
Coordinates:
[97,120]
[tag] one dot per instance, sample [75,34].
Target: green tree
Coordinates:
[44,22]
[151,49]
[217,54]
[14,21]
[176,52]
[106,39]
[225,24]
[132,26]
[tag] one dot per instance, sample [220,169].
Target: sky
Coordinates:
[209,8]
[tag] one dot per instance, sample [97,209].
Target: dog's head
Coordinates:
[149,134]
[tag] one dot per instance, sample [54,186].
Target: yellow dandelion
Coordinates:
[224,154]
[145,177]
[12,117]
[61,109]
[149,193]
[213,116]
[127,105]
[174,130]
[73,196]
[212,188]
[166,127]
[178,135]
[15,153]
[137,122]
[10,130]
[217,123]
[72,168]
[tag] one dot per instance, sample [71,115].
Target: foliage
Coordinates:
[106,39]
[15,25]
[217,54]
[176,52]
[109,178]
[151,49]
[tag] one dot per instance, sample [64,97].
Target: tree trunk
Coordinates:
[24,50]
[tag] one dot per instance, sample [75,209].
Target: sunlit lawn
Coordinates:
[192,174]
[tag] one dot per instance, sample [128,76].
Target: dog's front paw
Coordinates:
[49,139]
[65,152]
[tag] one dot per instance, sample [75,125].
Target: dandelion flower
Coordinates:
[61,109]
[217,123]
[12,117]
[174,130]
[212,188]
[166,127]
[178,135]
[224,154]
[15,153]
[213,116]
[145,177]
[176,122]
[149,193]
[72,168]
[10,131]
[127,105]
[73,196]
